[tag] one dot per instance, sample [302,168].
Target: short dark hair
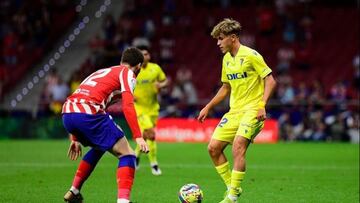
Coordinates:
[132,56]
[143,47]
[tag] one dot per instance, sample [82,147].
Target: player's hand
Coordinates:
[157,86]
[142,144]
[74,151]
[203,114]
[261,115]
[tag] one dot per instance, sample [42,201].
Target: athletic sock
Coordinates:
[152,152]
[137,151]
[123,201]
[236,178]
[224,172]
[125,176]
[86,166]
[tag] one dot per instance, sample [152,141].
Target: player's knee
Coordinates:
[152,136]
[149,134]
[121,148]
[213,150]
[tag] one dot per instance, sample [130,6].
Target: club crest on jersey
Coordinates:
[133,83]
[234,76]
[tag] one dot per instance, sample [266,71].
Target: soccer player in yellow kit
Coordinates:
[248,80]
[150,80]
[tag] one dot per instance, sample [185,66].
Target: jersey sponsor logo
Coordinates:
[143,81]
[82,91]
[234,76]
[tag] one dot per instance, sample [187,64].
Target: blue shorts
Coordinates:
[98,131]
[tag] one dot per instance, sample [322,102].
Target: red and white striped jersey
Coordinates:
[99,90]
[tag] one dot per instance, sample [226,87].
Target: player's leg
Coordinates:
[222,136]
[248,129]
[239,149]
[155,168]
[86,166]
[137,150]
[222,166]
[114,141]
[240,145]
[74,124]
[137,154]
[144,123]
[150,140]
[126,169]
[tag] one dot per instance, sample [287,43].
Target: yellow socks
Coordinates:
[225,173]
[152,152]
[137,151]
[236,178]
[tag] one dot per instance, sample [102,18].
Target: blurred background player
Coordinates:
[84,117]
[150,80]
[248,80]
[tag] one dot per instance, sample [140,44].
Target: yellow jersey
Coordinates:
[244,73]
[145,92]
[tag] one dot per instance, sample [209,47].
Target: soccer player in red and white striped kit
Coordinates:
[87,122]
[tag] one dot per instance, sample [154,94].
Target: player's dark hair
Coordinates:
[143,47]
[132,56]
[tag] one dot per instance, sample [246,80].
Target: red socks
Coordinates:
[125,176]
[86,166]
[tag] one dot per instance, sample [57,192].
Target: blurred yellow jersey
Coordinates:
[145,91]
[244,73]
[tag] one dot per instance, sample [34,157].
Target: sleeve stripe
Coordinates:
[124,80]
[121,80]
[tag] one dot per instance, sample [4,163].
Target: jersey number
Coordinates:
[222,122]
[98,74]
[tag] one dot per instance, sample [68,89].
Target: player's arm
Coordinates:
[270,85]
[224,90]
[162,81]
[162,84]
[264,72]
[131,118]
[130,114]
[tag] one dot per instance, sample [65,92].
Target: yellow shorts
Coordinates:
[147,121]
[234,124]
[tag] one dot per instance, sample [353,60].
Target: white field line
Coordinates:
[186,166]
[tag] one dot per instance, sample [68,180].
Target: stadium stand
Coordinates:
[29,29]
[307,44]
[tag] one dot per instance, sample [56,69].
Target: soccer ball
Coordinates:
[190,193]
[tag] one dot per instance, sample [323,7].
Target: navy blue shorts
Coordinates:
[98,131]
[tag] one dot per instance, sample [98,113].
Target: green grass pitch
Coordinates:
[39,171]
